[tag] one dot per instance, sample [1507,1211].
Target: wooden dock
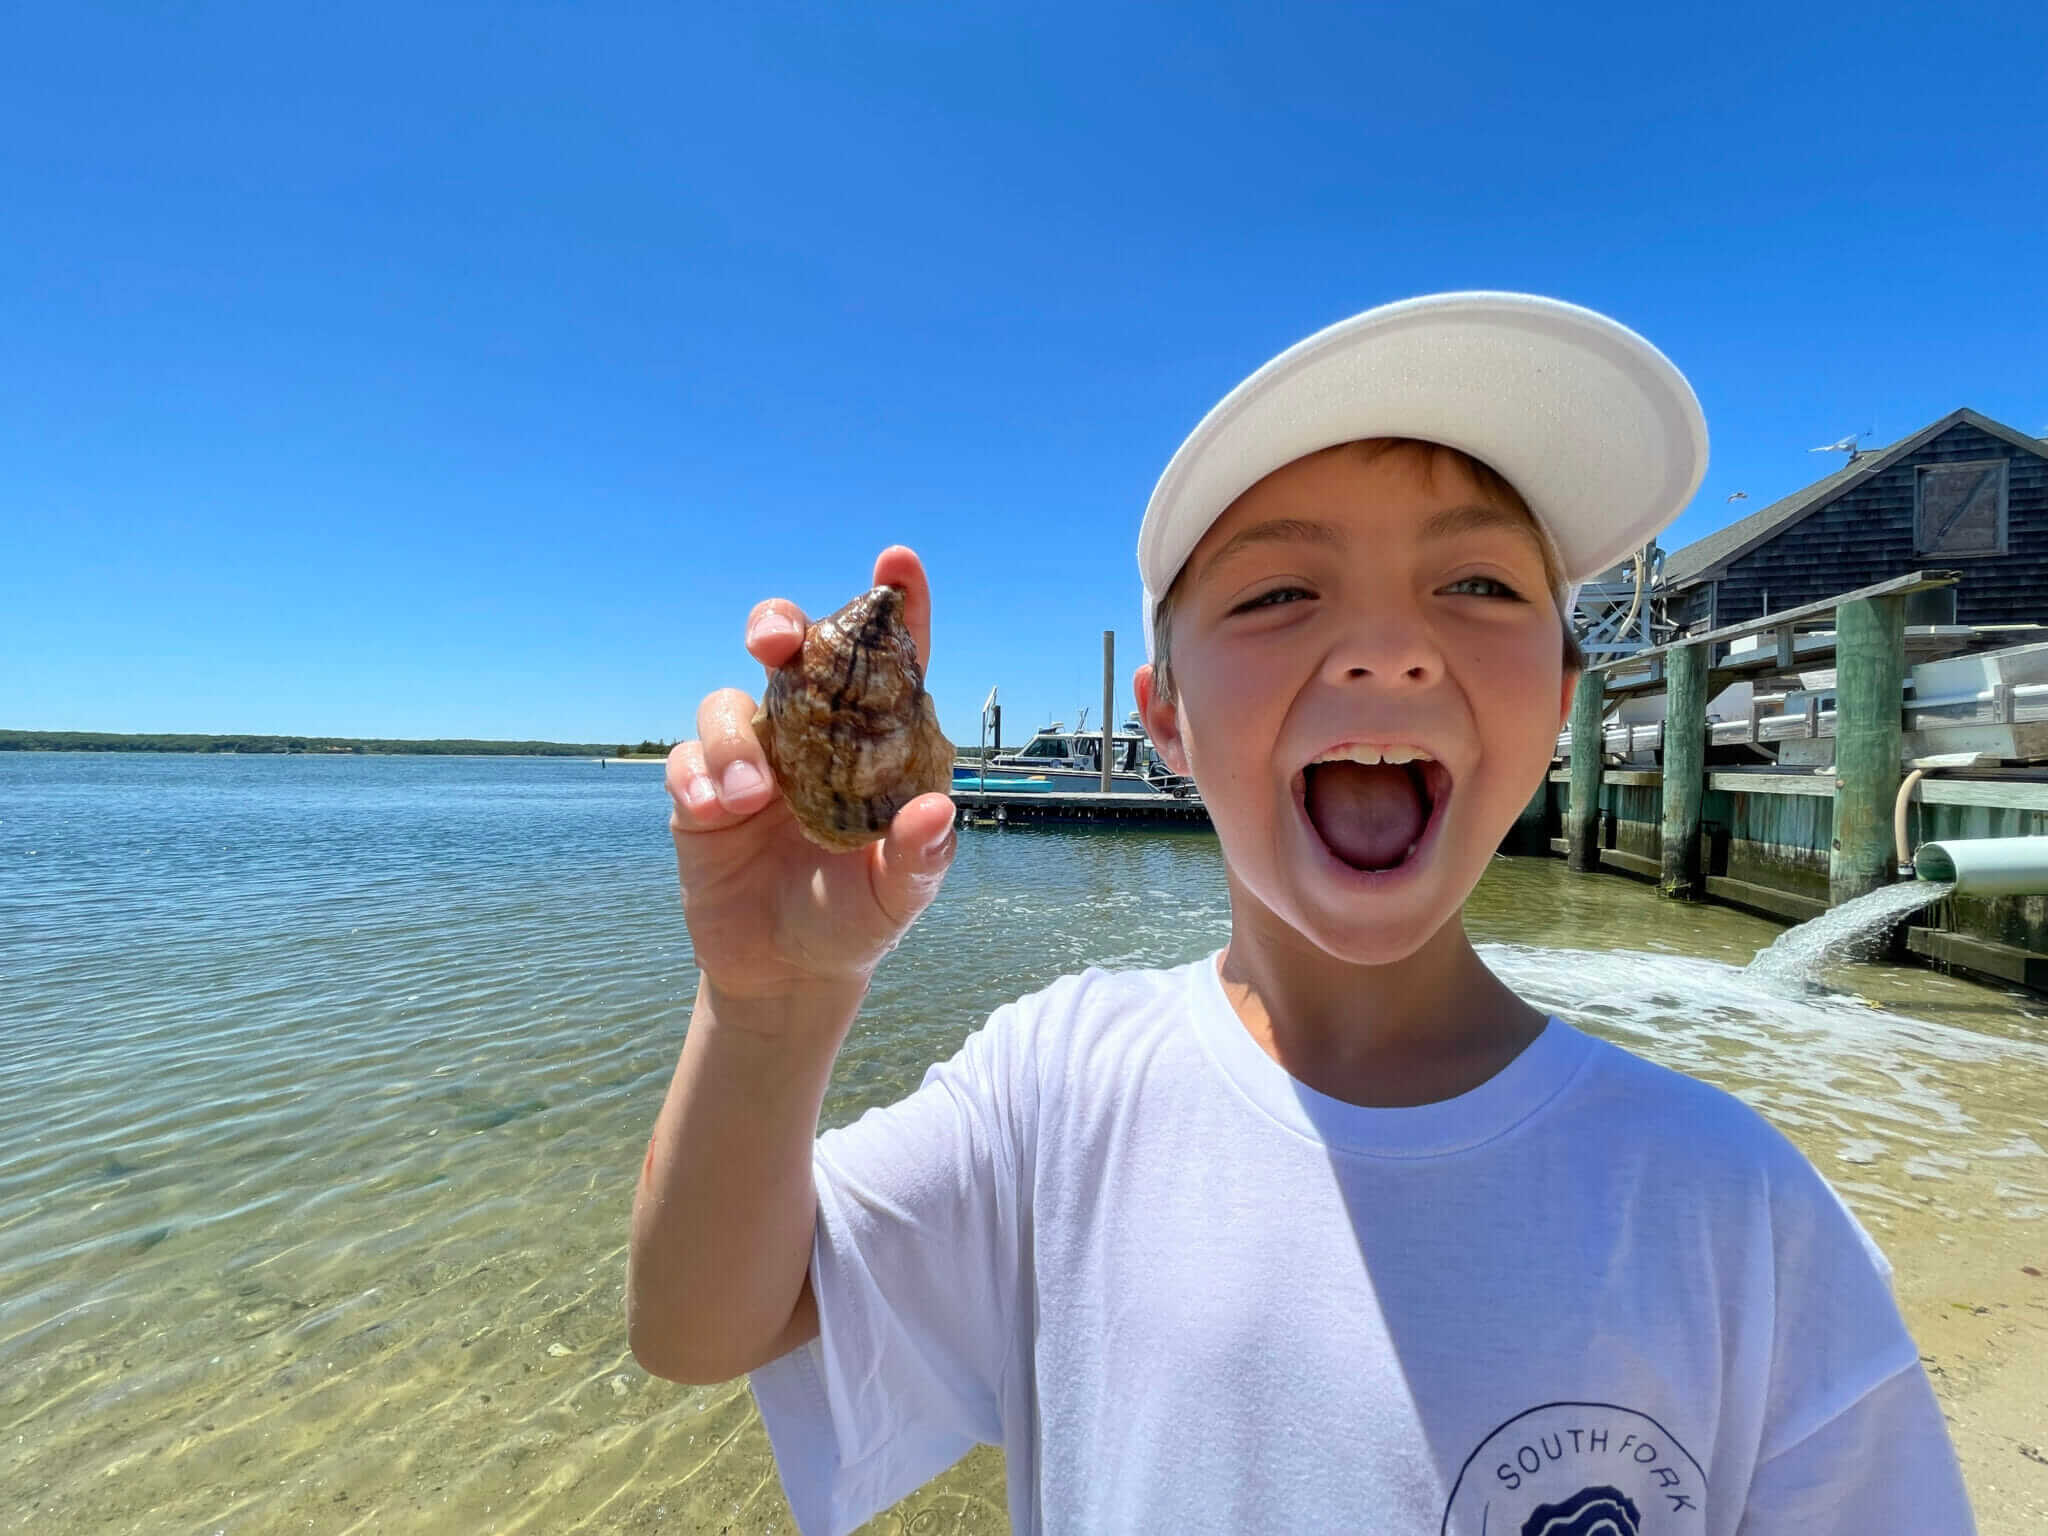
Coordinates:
[995,808]
[1793,838]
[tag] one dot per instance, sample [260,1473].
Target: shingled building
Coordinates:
[1966,494]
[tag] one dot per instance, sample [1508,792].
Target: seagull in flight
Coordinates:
[1739,496]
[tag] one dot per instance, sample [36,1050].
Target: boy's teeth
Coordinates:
[1372,755]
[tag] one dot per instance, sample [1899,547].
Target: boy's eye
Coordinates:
[1272,599]
[1483,586]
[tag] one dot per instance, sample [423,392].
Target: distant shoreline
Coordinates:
[233,743]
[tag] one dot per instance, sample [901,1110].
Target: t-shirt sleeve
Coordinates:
[1853,1439]
[1884,1463]
[914,1266]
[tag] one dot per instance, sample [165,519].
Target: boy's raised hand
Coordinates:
[772,915]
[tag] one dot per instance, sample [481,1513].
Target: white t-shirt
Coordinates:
[1187,1293]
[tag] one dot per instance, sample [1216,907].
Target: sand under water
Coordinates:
[325,1083]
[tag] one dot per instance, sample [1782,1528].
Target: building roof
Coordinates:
[1704,559]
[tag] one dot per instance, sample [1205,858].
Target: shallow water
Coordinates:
[324,1083]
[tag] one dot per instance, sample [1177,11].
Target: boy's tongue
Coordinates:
[1368,815]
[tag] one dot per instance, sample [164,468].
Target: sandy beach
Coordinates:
[1975,1294]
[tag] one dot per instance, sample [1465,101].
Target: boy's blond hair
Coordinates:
[1435,455]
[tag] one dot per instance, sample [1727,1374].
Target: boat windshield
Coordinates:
[1133,754]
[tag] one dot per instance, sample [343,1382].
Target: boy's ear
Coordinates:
[1162,719]
[1564,701]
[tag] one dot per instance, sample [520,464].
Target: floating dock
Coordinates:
[997,808]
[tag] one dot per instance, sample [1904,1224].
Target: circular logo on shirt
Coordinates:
[1578,1469]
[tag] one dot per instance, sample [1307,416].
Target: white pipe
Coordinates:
[1987,866]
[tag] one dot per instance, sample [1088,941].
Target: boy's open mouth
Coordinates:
[1372,806]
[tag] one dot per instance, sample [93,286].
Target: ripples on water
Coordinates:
[324,1081]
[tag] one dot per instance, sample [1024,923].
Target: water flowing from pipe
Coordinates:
[1794,961]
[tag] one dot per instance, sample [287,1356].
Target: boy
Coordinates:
[1328,1231]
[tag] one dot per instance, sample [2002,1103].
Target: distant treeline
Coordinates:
[101,741]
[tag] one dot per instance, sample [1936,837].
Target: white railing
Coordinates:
[2002,704]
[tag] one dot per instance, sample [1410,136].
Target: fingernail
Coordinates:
[937,845]
[741,778]
[699,792]
[767,627]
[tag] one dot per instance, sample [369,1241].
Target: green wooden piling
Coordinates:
[1685,770]
[1870,677]
[1582,817]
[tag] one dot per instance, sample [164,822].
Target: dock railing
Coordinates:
[1644,671]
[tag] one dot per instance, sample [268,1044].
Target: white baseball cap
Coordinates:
[1597,430]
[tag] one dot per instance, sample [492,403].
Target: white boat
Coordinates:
[1058,760]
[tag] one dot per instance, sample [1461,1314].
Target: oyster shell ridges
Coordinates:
[847,727]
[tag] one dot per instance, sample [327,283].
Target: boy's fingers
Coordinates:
[689,785]
[774,631]
[910,862]
[898,566]
[732,754]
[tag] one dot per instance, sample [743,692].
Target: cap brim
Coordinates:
[1597,430]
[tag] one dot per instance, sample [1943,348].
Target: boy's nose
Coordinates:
[1391,649]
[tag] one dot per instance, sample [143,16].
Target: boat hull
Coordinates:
[1009,780]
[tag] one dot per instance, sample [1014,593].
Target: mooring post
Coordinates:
[1870,679]
[1108,701]
[1685,770]
[1582,817]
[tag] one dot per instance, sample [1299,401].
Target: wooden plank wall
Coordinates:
[1866,536]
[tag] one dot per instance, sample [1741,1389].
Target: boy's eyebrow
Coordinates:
[1476,516]
[1276,530]
[1449,522]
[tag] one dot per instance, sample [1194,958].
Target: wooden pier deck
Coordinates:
[990,808]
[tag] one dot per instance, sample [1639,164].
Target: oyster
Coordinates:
[847,727]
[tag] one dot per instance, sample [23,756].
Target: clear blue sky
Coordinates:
[470,371]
